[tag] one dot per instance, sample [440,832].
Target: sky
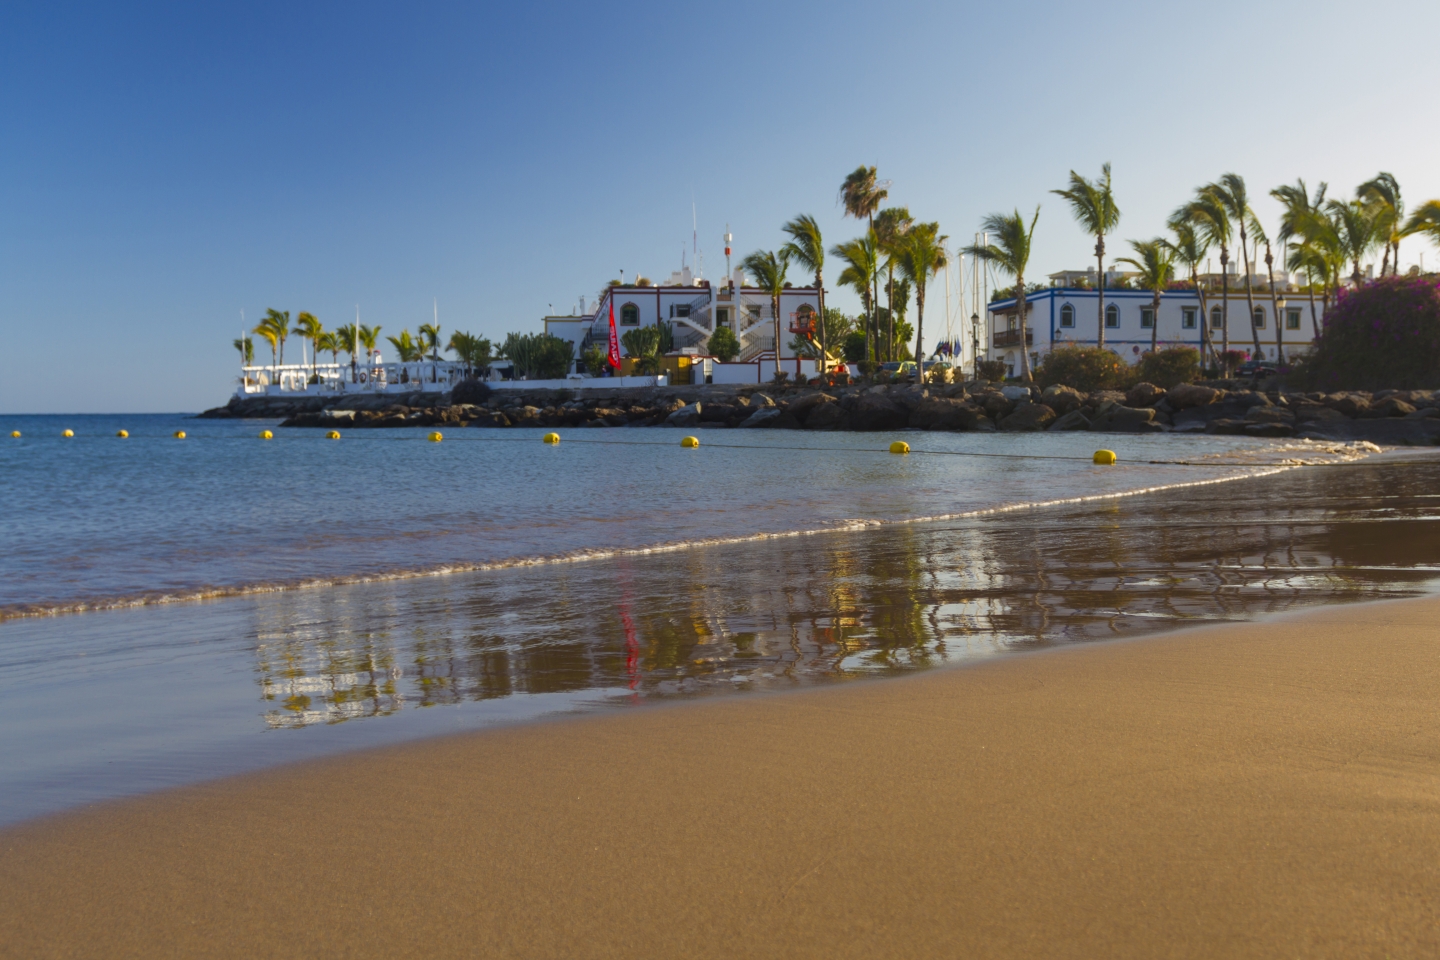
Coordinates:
[165,167]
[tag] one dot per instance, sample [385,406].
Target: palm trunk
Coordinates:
[1024,354]
[1207,345]
[1155,322]
[1314,320]
[890,314]
[1224,311]
[1275,308]
[920,331]
[820,299]
[1100,283]
[775,309]
[1249,294]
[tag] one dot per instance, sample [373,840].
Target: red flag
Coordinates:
[614,338]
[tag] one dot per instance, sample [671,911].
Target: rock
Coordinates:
[1350,404]
[1227,426]
[1144,395]
[1268,414]
[337,416]
[1015,393]
[1074,420]
[761,399]
[1273,429]
[717,412]
[875,411]
[1028,417]
[944,413]
[763,417]
[686,416]
[1389,407]
[470,391]
[1062,399]
[1117,418]
[1189,395]
[826,416]
[1423,413]
[801,407]
[1306,411]
[995,405]
[597,422]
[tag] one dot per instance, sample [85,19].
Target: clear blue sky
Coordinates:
[165,166]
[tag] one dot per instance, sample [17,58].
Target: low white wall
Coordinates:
[734,372]
[578,383]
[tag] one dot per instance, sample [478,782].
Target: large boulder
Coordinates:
[1389,407]
[717,412]
[1015,393]
[826,416]
[1074,420]
[1350,404]
[686,416]
[1189,395]
[1269,430]
[762,417]
[1028,417]
[1062,399]
[1269,414]
[1306,411]
[470,391]
[801,407]
[944,413]
[1144,395]
[875,411]
[1118,418]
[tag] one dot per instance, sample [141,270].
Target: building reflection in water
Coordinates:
[830,607]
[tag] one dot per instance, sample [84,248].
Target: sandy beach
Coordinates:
[1256,790]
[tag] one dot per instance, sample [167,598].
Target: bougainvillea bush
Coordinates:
[1084,368]
[1384,335]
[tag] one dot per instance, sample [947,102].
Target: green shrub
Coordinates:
[538,356]
[724,345]
[854,347]
[596,358]
[1169,367]
[1084,368]
[992,370]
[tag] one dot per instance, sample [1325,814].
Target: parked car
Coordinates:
[1256,368]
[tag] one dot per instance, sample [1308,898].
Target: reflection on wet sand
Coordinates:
[782,612]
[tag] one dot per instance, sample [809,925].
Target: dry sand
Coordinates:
[1268,790]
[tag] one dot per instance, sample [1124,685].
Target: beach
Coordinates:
[1261,789]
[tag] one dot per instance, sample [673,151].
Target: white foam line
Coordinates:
[19,611]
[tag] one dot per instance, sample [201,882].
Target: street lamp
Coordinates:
[975,341]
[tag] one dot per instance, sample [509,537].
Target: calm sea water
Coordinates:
[762,560]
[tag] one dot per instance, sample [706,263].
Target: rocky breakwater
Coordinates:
[1386,417]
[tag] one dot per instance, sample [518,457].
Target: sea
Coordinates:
[178,609]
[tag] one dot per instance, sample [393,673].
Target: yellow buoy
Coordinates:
[179,434]
[436,436]
[899,446]
[14,433]
[266,435]
[551,438]
[122,434]
[690,442]
[68,433]
[333,435]
[1105,457]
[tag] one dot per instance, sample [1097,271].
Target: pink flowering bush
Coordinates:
[1384,335]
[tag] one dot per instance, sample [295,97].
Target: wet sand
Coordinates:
[1265,789]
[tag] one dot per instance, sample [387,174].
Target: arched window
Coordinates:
[1067,316]
[1217,318]
[629,315]
[1259,318]
[1112,316]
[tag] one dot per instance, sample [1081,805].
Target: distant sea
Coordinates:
[178,609]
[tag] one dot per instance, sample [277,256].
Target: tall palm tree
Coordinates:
[1261,237]
[430,339]
[367,337]
[1229,191]
[329,341]
[1381,194]
[1298,219]
[922,255]
[891,225]
[275,327]
[246,348]
[806,248]
[1189,248]
[1155,261]
[408,348]
[861,257]
[861,195]
[768,271]
[1093,204]
[1211,222]
[1356,232]
[1010,252]
[1425,220]
[310,329]
[347,339]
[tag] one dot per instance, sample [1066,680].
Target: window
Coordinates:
[1190,317]
[629,315]
[1217,318]
[722,316]
[679,310]
[1259,319]
[1292,319]
[1147,317]
[1067,316]
[1112,316]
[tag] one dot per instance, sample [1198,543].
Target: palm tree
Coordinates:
[768,271]
[1229,191]
[329,341]
[1298,220]
[1156,265]
[922,255]
[1425,220]
[1093,204]
[310,329]
[891,225]
[861,257]
[1189,248]
[1010,252]
[275,328]
[475,352]
[367,337]
[1260,237]
[1356,232]
[861,195]
[347,339]
[246,346]
[1211,224]
[807,249]
[430,339]
[1382,195]
[407,347]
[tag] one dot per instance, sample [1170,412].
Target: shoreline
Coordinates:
[1246,789]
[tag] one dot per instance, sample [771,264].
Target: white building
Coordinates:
[1067,315]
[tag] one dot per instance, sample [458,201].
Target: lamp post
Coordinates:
[975,341]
